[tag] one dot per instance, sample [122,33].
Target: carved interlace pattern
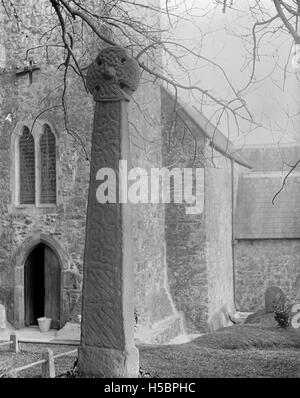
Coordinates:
[102,319]
[112,73]
[102,315]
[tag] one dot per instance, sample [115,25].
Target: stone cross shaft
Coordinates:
[107,341]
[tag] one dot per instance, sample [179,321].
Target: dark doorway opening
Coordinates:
[42,286]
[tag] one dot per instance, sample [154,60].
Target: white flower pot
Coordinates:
[44,324]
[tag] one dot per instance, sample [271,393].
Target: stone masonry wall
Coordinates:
[199,246]
[65,223]
[264,263]
[260,263]
[185,233]
[152,301]
[221,178]
[218,213]
[20,100]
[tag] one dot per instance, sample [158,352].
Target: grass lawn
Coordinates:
[237,351]
[30,353]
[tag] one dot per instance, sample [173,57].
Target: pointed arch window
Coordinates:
[48,166]
[27,167]
[34,166]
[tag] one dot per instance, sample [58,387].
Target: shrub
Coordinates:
[73,373]
[5,370]
[282,314]
[143,373]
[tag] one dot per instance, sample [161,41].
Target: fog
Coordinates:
[226,38]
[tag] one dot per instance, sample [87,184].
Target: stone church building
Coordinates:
[267,228]
[184,263]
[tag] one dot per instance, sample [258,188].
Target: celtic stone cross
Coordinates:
[107,342]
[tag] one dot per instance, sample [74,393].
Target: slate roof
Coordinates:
[256,217]
[271,157]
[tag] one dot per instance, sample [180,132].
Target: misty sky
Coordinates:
[227,40]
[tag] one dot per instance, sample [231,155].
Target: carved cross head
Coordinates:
[113,76]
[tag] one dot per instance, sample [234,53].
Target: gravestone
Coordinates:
[273,295]
[2,317]
[107,341]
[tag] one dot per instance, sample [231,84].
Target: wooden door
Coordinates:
[52,287]
[28,292]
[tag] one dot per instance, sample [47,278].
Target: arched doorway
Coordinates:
[42,286]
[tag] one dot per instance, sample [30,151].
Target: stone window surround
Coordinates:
[36,132]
